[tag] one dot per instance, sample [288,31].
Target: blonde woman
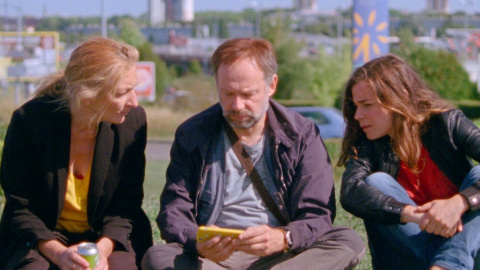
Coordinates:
[73,166]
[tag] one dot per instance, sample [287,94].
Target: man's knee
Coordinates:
[155,256]
[339,248]
[346,241]
[169,256]
[122,260]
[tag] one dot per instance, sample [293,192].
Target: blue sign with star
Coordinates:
[370,30]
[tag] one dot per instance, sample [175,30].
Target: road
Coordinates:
[158,150]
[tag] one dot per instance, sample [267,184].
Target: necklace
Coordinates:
[417,171]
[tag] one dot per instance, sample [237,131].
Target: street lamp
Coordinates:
[18,47]
[104,18]
[19,22]
[258,24]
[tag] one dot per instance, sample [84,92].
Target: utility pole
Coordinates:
[18,46]
[104,19]
[258,18]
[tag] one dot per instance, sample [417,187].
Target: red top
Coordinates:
[429,184]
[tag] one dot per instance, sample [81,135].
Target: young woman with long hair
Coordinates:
[408,172]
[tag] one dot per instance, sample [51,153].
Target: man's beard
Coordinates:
[250,121]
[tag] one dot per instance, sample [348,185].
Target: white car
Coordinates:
[329,120]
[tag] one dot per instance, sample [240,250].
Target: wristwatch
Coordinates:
[288,239]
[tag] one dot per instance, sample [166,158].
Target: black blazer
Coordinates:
[34,172]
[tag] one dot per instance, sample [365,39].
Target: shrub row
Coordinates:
[471,108]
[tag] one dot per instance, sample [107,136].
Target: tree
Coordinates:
[440,69]
[223,31]
[195,67]
[250,15]
[320,28]
[291,72]
[131,33]
[54,23]
[411,22]
[331,72]
[318,78]
[163,76]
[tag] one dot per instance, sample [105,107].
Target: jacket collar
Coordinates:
[61,120]
[203,129]
[280,124]
[101,161]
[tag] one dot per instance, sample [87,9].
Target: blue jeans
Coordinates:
[407,247]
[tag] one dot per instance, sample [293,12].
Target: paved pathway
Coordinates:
[158,150]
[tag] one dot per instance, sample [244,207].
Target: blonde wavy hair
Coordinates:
[93,71]
[399,89]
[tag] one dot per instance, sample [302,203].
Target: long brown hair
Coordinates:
[399,89]
[94,69]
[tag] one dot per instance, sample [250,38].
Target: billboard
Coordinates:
[30,55]
[370,30]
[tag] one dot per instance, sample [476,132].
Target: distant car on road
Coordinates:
[329,120]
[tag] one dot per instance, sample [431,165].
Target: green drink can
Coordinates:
[89,252]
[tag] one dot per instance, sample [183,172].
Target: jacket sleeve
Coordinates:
[311,192]
[466,136]
[126,203]
[19,177]
[176,218]
[361,199]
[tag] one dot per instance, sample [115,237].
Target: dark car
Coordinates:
[329,120]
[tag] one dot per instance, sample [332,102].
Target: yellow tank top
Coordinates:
[74,213]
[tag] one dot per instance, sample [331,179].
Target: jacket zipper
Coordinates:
[277,159]
[200,188]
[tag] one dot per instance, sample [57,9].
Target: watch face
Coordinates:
[289,238]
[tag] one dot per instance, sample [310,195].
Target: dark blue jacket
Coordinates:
[303,176]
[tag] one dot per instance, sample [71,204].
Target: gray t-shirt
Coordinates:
[242,204]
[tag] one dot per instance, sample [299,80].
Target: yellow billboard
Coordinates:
[28,56]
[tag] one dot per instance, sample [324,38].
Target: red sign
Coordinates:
[145,89]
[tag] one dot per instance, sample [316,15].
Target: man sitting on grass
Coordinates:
[285,205]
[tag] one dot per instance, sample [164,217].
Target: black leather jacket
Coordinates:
[451,139]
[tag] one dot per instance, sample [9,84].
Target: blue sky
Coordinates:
[137,7]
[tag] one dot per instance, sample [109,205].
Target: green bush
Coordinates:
[440,69]
[471,108]
[319,77]
[3,131]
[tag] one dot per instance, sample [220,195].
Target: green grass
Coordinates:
[154,182]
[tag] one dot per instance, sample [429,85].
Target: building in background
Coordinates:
[305,5]
[161,11]
[438,6]
[179,10]
[156,12]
